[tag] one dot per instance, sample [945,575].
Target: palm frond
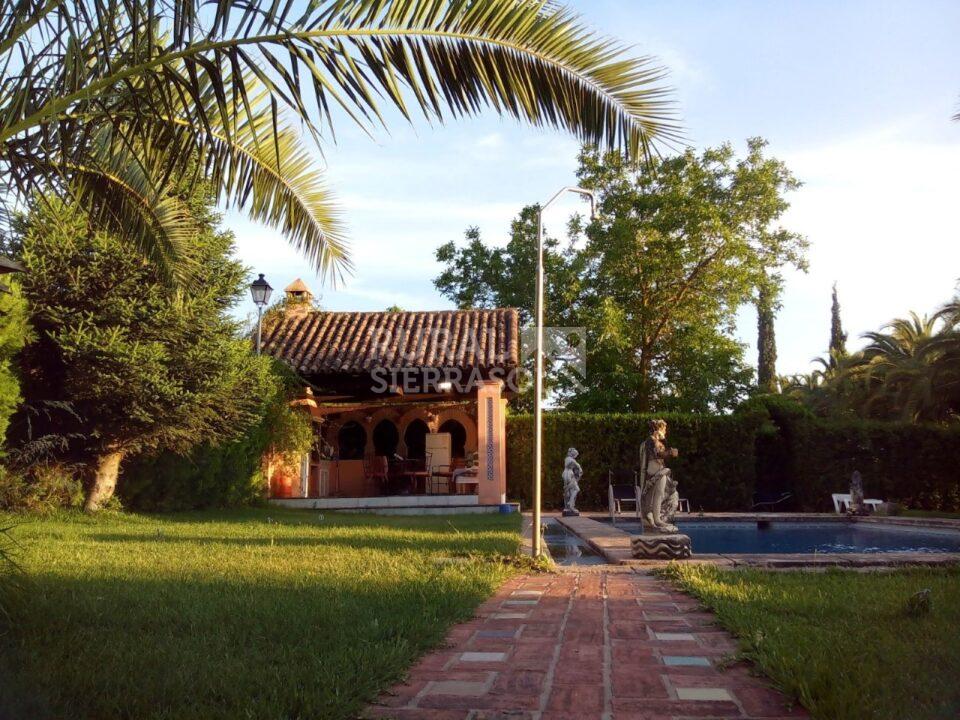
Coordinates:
[72,67]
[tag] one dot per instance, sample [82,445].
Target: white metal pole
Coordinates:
[538,369]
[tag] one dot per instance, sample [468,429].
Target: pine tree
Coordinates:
[145,366]
[766,340]
[838,338]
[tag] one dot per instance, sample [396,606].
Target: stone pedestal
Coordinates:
[674,546]
[571,513]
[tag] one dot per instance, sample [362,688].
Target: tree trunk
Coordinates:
[104,480]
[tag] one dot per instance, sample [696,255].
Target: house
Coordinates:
[408,408]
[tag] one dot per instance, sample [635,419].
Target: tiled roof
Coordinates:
[319,342]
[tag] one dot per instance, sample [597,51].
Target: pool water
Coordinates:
[811,537]
[567,548]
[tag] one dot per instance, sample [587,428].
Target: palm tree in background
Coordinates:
[110,99]
[906,369]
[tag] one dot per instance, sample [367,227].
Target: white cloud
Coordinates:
[880,210]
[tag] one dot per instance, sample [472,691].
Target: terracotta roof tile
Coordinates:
[319,342]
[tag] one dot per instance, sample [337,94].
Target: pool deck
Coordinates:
[614,543]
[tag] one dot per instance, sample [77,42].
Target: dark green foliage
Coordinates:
[838,338]
[770,445]
[766,341]
[228,474]
[715,468]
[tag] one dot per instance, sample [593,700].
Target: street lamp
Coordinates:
[538,365]
[260,291]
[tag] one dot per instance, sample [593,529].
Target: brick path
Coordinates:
[606,645]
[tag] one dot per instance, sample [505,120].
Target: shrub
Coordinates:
[229,473]
[41,488]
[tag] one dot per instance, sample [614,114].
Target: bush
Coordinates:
[230,473]
[771,444]
[716,468]
[42,488]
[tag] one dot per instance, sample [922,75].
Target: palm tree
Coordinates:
[110,99]
[910,368]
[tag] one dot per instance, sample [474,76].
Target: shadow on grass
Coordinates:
[309,647]
[384,543]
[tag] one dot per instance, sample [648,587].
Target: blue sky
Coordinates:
[856,97]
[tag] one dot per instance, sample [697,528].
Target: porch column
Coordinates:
[491,443]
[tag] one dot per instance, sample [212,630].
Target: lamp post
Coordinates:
[538,365]
[260,291]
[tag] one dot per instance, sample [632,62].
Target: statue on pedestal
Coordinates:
[660,498]
[572,472]
[857,505]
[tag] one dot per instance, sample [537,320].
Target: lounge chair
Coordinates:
[841,503]
[769,500]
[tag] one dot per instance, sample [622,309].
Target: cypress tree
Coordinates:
[766,340]
[838,338]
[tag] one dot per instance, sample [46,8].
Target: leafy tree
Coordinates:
[143,366]
[89,87]
[679,244]
[838,338]
[478,275]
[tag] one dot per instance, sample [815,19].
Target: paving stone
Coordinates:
[494,634]
[704,693]
[677,660]
[455,687]
[482,657]
[583,700]
[579,646]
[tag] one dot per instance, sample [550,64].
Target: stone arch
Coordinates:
[414,438]
[385,436]
[352,440]
[462,416]
[458,437]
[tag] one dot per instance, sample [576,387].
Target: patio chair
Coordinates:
[418,473]
[441,476]
[623,488]
[375,473]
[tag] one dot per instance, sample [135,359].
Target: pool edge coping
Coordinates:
[614,545]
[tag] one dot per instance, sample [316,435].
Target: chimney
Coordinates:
[299,299]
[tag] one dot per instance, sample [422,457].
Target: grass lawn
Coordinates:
[841,641]
[235,614]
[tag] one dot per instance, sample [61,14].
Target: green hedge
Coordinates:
[716,468]
[771,444]
[209,477]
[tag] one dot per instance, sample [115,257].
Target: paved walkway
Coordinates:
[607,645]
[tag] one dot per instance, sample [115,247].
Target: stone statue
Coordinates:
[857,506]
[660,498]
[572,472]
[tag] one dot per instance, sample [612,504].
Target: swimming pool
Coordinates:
[810,537]
[566,548]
